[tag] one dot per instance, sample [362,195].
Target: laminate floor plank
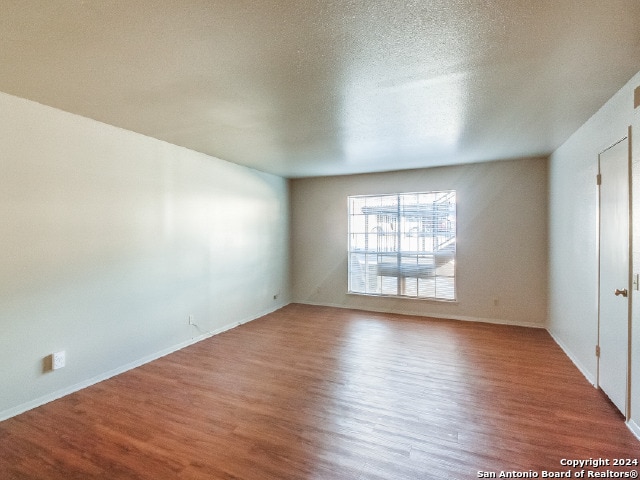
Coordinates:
[323,393]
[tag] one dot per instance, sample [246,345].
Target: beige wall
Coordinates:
[110,240]
[573,275]
[502,240]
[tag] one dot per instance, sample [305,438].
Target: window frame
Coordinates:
[431,269]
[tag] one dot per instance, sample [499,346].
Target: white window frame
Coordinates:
[403,245]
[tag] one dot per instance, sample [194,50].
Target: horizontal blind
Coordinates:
[403,244]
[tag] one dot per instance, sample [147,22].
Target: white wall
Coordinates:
[573,195]
[110,240]
[501,247]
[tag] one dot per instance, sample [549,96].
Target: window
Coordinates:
[403,245]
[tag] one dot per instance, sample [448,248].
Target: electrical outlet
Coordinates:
[58,360]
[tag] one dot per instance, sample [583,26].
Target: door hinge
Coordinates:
[597,350]
[599,179]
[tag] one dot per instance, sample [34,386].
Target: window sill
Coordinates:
[401,297]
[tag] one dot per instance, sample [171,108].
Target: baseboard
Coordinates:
[17,410]
[635,429]
[585,372]
[497,321]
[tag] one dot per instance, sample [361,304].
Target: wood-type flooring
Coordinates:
[323,393]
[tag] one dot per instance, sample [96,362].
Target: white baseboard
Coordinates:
[497,321]
[17,410]
[587,374]
[635,429]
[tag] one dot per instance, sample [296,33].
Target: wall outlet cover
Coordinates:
[58,360]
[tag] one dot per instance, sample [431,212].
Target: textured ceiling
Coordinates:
[320,87]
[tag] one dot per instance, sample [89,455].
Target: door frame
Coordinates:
[631,286]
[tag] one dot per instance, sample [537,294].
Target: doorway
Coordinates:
[614,268]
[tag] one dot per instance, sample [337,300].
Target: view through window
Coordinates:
[403,244]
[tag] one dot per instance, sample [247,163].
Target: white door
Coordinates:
[614,273]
